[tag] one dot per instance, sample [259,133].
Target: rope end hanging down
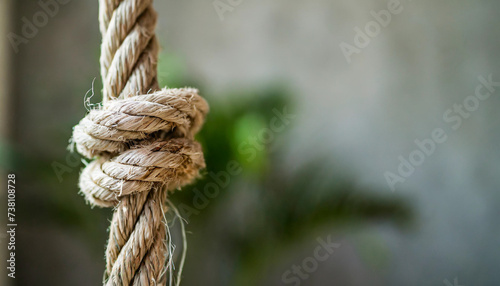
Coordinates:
[141,142]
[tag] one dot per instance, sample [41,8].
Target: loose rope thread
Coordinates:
[141,140]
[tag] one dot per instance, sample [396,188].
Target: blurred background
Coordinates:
[311,106]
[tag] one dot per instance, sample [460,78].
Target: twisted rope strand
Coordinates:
[142,143]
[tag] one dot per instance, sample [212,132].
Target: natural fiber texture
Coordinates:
[142,143]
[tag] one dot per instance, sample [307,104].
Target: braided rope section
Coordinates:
[141,140]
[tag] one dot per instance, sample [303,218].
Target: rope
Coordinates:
[141,140]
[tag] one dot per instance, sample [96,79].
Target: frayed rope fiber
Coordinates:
[141,140]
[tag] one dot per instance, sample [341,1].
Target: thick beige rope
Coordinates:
[142,141]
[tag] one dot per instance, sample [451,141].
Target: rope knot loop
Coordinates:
[140,141]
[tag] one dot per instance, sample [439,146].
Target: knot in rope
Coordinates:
[140,141]
[142,145]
